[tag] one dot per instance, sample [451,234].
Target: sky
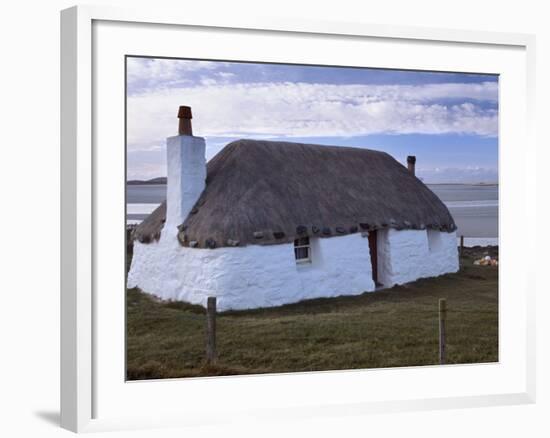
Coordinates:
[448,120]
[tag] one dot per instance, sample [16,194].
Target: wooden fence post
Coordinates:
[461,245]
[442,341]
[211,355]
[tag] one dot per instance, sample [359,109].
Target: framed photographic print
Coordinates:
[253,209]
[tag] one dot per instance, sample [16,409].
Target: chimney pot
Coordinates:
[411,162]
[184,116]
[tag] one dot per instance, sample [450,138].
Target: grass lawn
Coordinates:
[390,328]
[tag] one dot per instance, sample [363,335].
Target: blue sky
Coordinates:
[448,120]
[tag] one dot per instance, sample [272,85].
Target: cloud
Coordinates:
[226,74]
[147,73]
[286,109]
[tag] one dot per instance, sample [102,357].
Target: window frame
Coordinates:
[307,246]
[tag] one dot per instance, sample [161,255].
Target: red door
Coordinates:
[373,254]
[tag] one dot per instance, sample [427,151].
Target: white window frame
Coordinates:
[301,246]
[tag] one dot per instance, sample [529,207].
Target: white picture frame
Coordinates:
[83,317]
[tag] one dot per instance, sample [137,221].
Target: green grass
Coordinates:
[390,328]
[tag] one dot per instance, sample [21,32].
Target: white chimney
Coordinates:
[186,162]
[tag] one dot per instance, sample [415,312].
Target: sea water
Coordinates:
[474,207]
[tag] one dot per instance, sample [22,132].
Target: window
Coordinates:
[302,250]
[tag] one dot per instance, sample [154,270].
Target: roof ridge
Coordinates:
[240,141]
[278,189]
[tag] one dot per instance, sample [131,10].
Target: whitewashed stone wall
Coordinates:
[251,276]
[406,255]
[264,276]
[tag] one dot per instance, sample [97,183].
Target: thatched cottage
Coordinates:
[265,223]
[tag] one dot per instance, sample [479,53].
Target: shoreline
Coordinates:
[470,242]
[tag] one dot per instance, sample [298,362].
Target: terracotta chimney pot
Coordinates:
[184,116]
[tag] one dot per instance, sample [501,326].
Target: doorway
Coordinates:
[373,249]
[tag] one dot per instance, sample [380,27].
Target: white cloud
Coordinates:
[208,81]
[226,74]
[313,110]
[152,72]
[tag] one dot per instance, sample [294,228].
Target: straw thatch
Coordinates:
[266,192]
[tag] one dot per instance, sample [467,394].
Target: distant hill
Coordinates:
[162,180]
[159,180]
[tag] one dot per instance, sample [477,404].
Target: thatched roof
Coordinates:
[266,192]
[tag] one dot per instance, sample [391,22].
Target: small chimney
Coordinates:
[411,162]
[184,114]
[186,171]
